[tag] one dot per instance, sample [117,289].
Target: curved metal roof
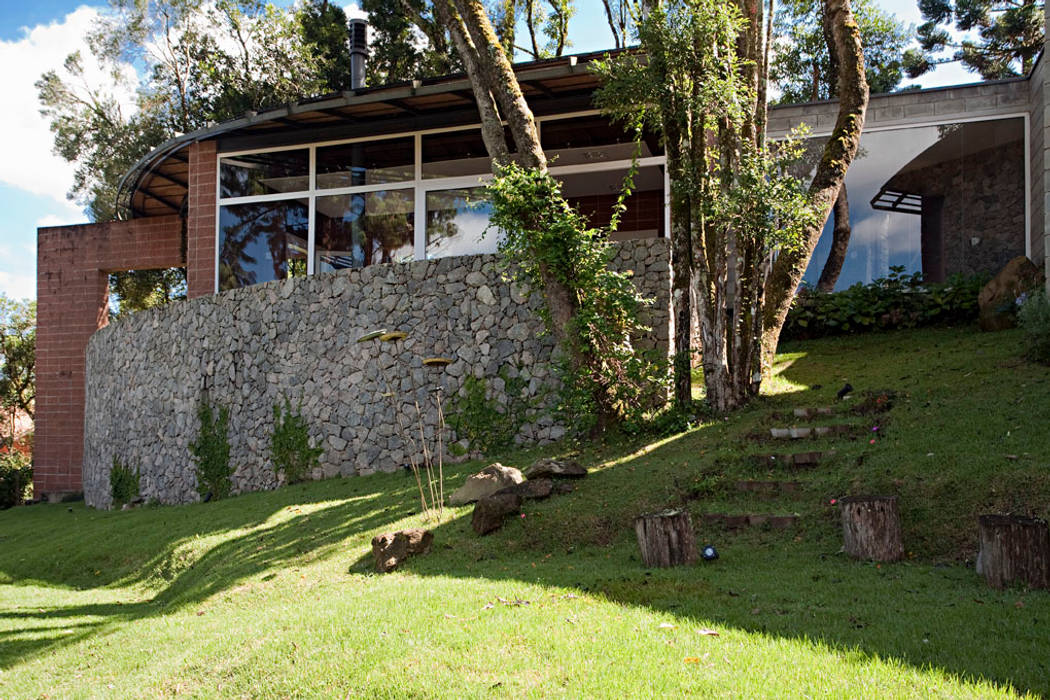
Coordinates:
[158,183]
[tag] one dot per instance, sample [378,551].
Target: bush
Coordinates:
[899,300]
[290,446]
[1034,319]
[16,478]
[211,450]
[123,483]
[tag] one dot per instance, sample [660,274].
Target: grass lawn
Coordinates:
[271,594]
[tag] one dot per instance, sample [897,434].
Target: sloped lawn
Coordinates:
[271,595]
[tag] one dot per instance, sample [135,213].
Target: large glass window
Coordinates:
[328,207]
[941,200]
[365,163]
[457,220]
[264,173]
[262,242]
[354,230]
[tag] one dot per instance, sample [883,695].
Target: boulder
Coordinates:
[555,468]
[491,511]
[533,489]
[392,548]
[997,299]
[488,481]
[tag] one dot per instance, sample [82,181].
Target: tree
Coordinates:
[702,86]
[1009,36]
[804,69]
[17,354]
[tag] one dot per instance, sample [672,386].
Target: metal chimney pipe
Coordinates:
[358,52]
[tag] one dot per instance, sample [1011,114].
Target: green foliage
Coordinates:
[487,423]
[123,483]
[1002,39]
[601,371]
[1034,319]
[17,355]
[16,478]
[211,451]
[802,68]
[899,300]
[290,447]
[137,290]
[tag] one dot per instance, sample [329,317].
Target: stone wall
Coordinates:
[248,349]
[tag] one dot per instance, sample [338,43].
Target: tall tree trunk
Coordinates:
[829,276]
[839,152]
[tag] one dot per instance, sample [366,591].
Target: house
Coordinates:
[303,226]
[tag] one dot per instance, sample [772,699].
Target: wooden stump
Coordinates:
[1013,549]
[871,528]
[666,539]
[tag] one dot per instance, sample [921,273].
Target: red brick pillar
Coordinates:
[200,223]
[73,266]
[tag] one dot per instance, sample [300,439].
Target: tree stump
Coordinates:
[871,528]
[666,539]
[1013,549]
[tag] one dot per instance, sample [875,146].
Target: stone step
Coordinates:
[739,521]
[812,412]
[769,489]
[796,433]
[798,460]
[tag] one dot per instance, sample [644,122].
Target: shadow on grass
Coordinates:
[792,585]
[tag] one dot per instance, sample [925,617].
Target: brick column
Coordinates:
[200,223]
[73,266]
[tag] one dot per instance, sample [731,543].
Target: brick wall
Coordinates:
[200,223]
[73,264]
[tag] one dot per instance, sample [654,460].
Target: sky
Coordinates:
[37,36]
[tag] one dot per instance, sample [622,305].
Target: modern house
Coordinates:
[363,210]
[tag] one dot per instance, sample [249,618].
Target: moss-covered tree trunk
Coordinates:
[841,234]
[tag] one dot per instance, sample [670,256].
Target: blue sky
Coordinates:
[36,36]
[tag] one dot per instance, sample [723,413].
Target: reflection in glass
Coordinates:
[941,200]
[365,163]
[594,139]
[264,173]
[456,223]
[262,242]
[355,230]
[457,153]
[594,194]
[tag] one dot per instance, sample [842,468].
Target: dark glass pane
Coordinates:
[457,153]
[365,163]
[591,140]
[262,242]
[594,194]
[457,221]
[354,230]
[265,173]
[941,200]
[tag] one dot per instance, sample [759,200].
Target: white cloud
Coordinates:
[18,286]
[28,163]
[72,215]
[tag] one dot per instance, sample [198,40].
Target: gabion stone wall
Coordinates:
[250,348]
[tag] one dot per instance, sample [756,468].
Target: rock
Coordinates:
[392,548]
[491,511]
[563,487]
[533,489]
[488,481]
[556,468]
[996,300]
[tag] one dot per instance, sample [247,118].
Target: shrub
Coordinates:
[211,450]
[16,478]
[1034,319]
[485,422]
[899,300]
[123,483]
[290,446]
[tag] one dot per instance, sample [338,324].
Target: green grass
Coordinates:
[270,594]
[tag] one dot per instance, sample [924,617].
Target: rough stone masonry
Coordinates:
[249,349]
